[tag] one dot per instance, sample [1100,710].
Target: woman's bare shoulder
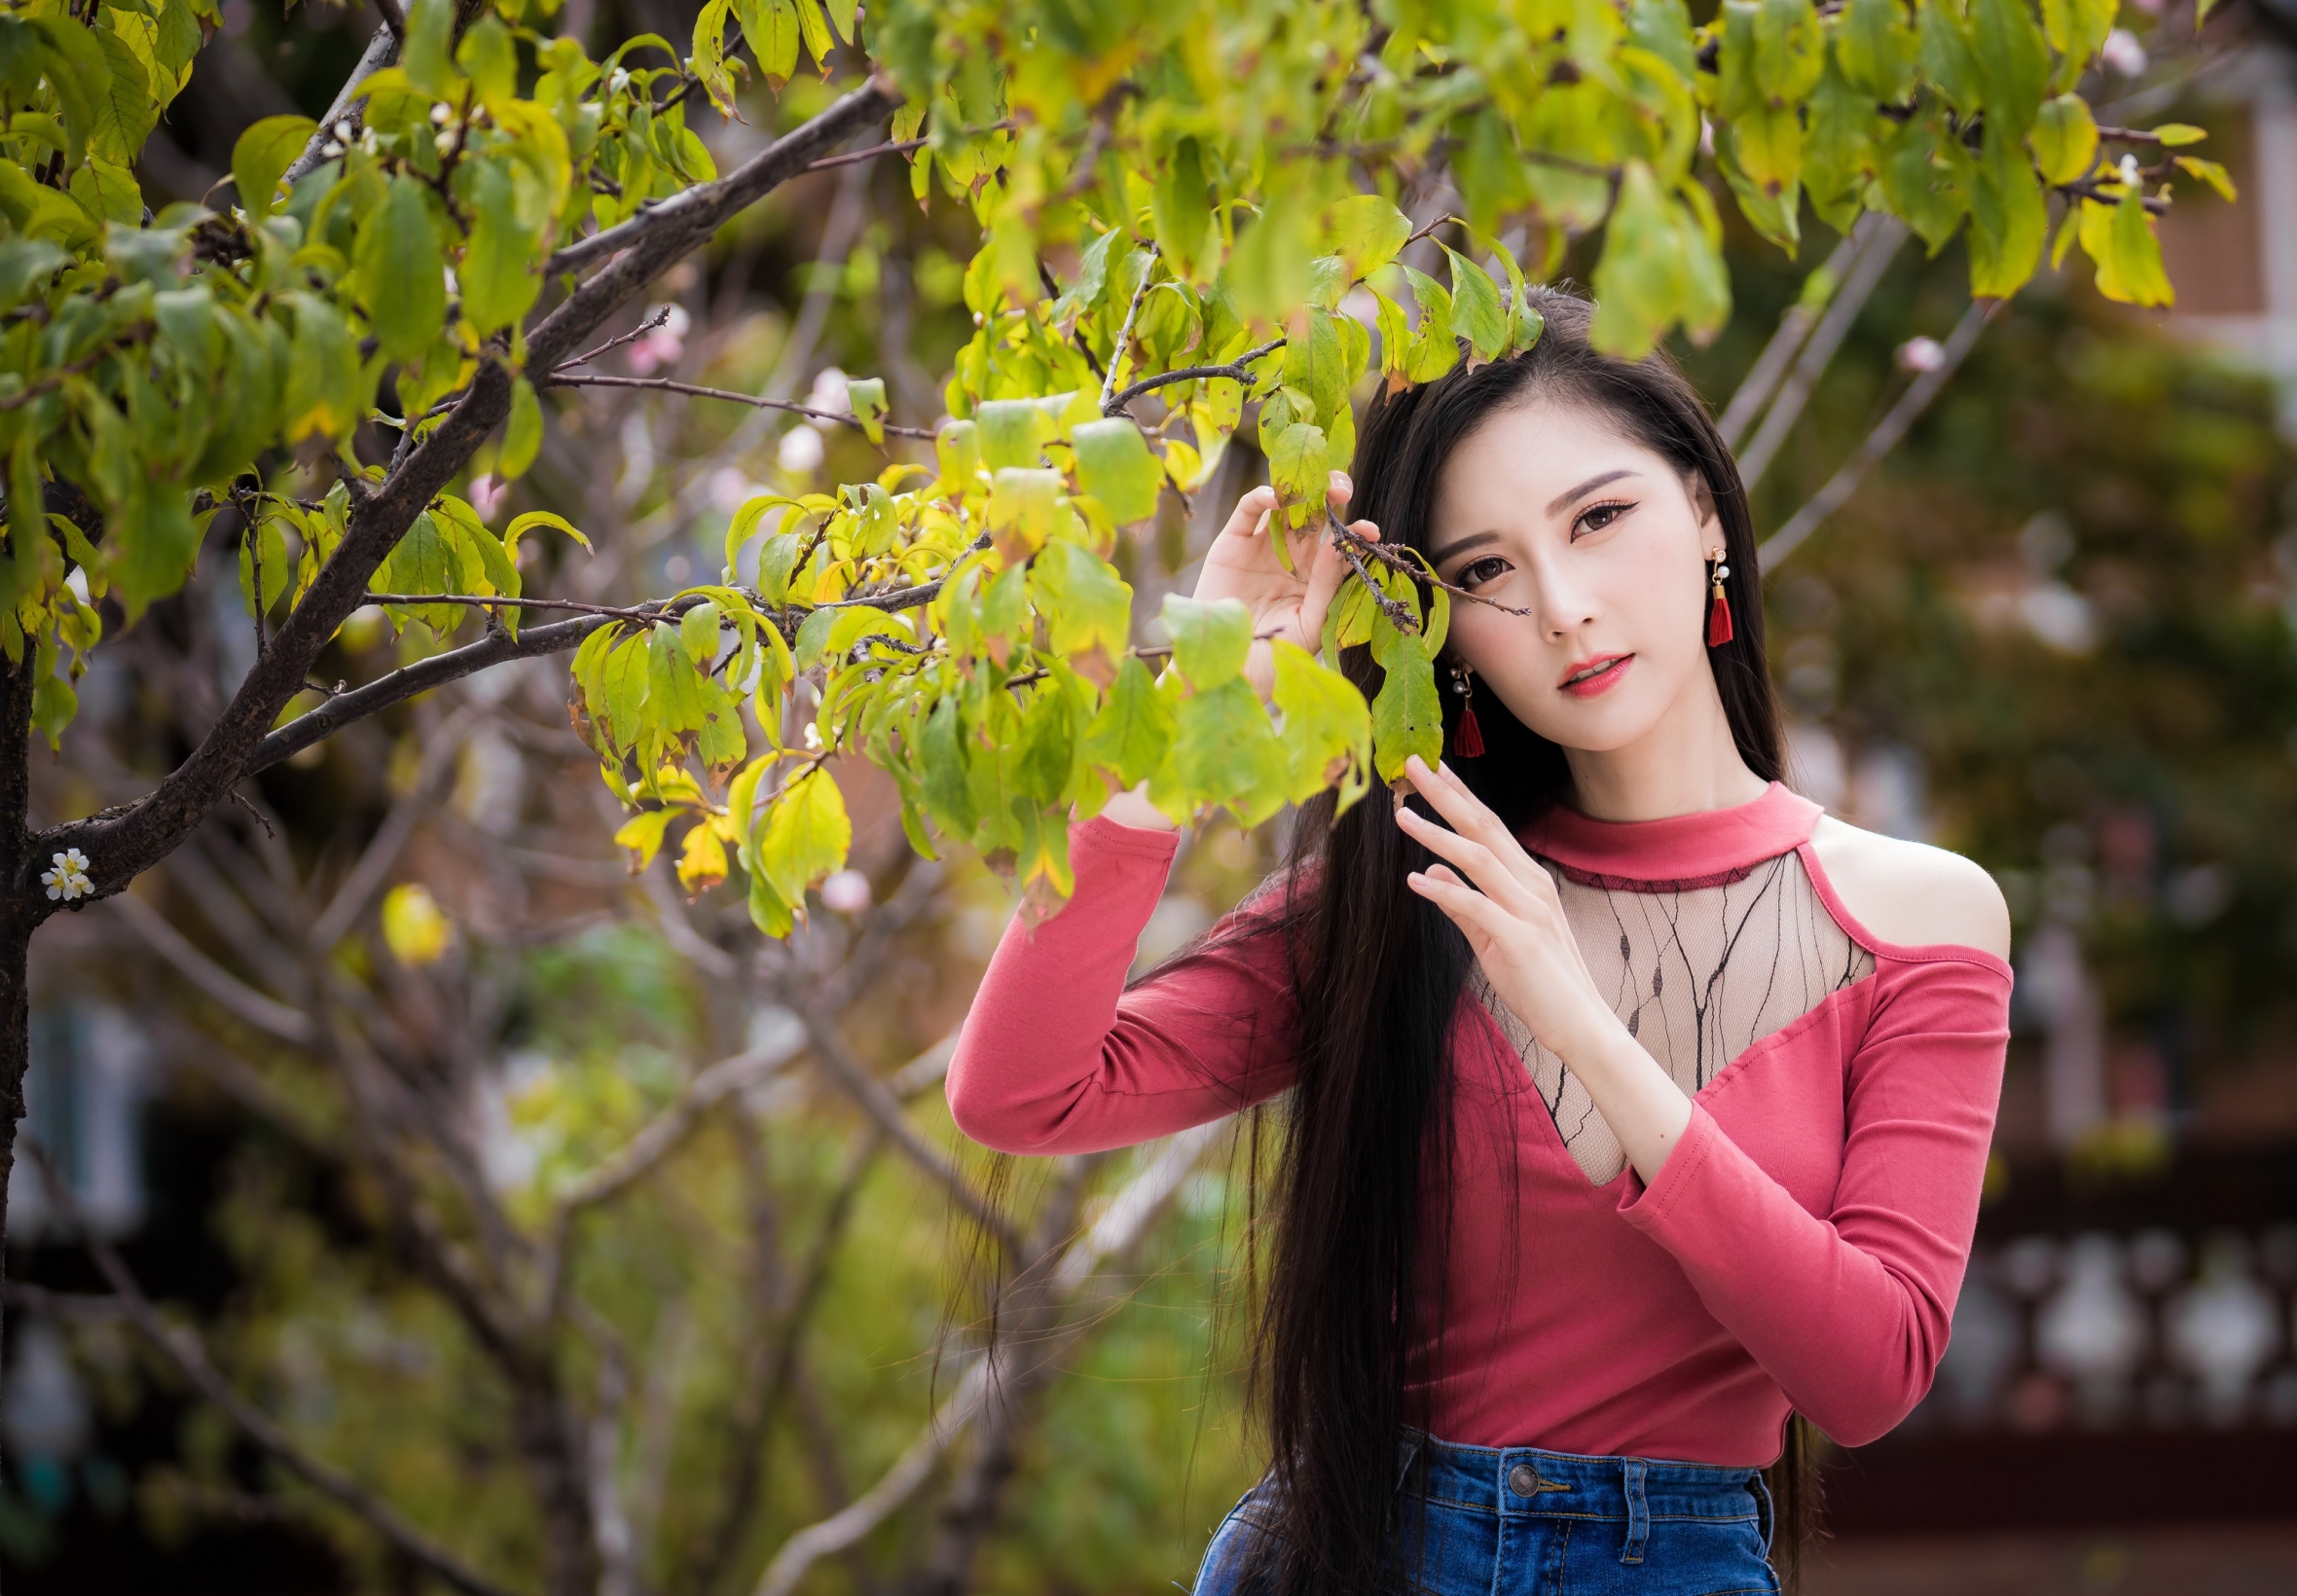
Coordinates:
[1910,893]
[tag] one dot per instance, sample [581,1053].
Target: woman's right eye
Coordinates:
[1490,569]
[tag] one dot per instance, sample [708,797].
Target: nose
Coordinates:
[1564,604]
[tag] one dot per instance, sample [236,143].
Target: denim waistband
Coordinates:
[1529,1481]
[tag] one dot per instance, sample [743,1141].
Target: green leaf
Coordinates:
[523,524]
[1315,363]
[1181,210]
[1920,169]
[642,833]
[1432,349]
[806,836]
[675,700]
[1476,313]
[867,395]
[401,286]
[1134,730]
[1225,751]
[1210,638]
[1790,49]
[1021,505]
[1297,471]
[2129,265]
[2209,172]
[2175,135]
[2065,139]
[498,281]
[1943,50]
[698,630]
[624,682]
[263,154]
[2075,29]
[522,438]
[2009,222]
[1113,465]
[813,29]
[430,36]
[1407,714]
[1326,727]
[813,637]
[53,703]
[1874,47]
[2013,64]
[1011,432]
[1085,602]
[488,54]
[326,387]
[1366,231]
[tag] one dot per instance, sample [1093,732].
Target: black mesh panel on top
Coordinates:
[1701,971]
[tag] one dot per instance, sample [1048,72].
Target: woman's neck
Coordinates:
[1686,764]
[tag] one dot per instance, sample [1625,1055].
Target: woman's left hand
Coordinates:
[1508,907]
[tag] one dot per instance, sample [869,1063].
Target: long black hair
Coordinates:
[1362,1195]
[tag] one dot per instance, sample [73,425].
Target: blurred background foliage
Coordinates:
[2052,632]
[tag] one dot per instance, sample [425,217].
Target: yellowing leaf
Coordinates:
[1113,465]
[414,925]
[806,834]
[262,156]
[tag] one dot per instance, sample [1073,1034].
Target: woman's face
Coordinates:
[1551,507]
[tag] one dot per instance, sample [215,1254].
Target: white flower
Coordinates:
[442,143]
[346,130]
[830,393]
[800,454]
[620,81]
[2123,52]
[331,149]
[1921,354]
[441,114]
[846,893]
[66,878]
[814,735]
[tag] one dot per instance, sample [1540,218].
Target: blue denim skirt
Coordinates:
[1517,1520]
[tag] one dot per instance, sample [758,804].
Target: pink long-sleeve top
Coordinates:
[1803,1245]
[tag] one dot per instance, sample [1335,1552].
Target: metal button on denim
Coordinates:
[1523,1479]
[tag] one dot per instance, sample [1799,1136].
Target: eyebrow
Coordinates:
[1556,504]
[1474,540]
[1556,507]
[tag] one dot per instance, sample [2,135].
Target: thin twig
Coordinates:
[559,378]
[479,601]
[1885,238]
[632,336]
[381,48]
[181,1348]
[1770,367]
[1124,335]
[1879,442]
[1234,371]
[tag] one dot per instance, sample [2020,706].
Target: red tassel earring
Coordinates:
[1719,610]
[1467,739]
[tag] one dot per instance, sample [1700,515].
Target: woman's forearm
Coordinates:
[1642,1103]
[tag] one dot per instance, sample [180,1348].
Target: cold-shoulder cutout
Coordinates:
[1910,893]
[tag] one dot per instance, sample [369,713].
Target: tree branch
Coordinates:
[266,1014]
[1879,442]
[1124,335]
[1234,369]
[1115,1232]
[687,219]
[877,1101]
[1887,236]
[1762,381]
[591,379]
[181,1348]
[381,50]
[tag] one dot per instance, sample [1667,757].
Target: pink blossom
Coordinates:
[487,495]
[664,345]
[846,893]
[1921,354]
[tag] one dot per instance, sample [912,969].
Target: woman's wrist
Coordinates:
[1133,809]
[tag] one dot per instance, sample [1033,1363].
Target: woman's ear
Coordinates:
[1702,499]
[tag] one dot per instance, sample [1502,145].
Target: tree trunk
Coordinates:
[16,918]
[552,1441]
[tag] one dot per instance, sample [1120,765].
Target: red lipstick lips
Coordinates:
[1589,678]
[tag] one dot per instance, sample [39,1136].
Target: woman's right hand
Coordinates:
[1290,605]
[1242,565]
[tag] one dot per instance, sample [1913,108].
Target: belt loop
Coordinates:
[1639,1511]
[1765,1512]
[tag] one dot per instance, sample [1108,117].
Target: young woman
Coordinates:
[1634,1104]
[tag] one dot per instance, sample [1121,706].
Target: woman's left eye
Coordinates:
[1595,517]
